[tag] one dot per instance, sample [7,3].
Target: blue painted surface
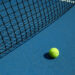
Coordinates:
[29,59]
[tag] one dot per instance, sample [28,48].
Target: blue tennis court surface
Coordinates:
[29,58]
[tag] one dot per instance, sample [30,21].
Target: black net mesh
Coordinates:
[22,19]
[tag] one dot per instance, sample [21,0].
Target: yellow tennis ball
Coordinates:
[54,52]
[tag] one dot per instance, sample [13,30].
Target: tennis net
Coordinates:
[22,19]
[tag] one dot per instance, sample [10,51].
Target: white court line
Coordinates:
[68,1]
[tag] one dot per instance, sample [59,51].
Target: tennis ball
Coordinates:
[54,52]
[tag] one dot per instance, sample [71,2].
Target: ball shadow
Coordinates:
[46,56]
